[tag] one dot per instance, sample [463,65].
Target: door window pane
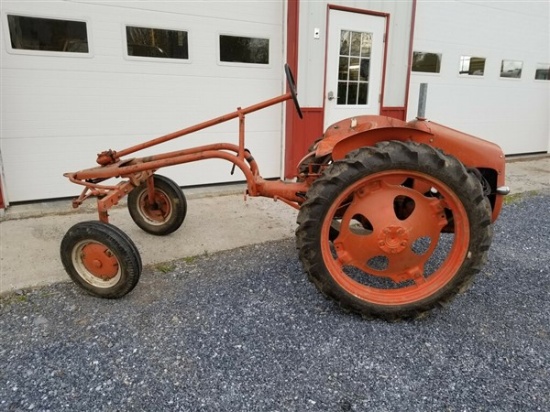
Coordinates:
[472,66]
[354,67]
[148,42]
[426,62]
[244,49]
[33,33]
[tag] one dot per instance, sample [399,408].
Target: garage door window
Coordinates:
[157,43]
[234,49]
[542,72]
[472,66]
[52,35]
[426,62]
[511,69]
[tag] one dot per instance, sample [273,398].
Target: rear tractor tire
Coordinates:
[394,230]
[165,214]
[101,259]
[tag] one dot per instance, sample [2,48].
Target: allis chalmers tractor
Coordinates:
[394,219]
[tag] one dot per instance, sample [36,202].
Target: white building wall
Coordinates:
[513,113]
[60,110]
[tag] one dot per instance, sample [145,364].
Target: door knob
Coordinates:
[330,95]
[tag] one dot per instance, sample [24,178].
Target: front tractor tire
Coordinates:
[394,230]
[101,259]
[165,213]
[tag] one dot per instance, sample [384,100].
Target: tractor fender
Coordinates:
[350,134]
[354,133]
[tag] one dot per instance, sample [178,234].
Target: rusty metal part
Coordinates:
[139,170]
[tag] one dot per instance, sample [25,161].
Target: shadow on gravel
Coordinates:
[245,331]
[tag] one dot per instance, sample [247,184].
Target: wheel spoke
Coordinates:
[406,266]
[355,250]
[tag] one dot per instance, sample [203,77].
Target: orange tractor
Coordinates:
[394,218]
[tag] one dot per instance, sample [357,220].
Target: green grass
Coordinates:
[166,267]
[518,197]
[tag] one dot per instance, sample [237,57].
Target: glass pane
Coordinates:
[365,69]
[342,92]
[354,69]
[355,43]
[363,93]
[344,42]
[244,49]
[511,69]
[426,62]
[32,33]
[472,66]
[542,72]
[147,42]
[352,93]
[366,44]
[343,68]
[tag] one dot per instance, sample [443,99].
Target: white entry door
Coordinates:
[355,57]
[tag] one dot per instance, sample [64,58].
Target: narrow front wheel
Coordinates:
[162,214]
[101,259]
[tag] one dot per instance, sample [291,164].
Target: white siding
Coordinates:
[58,111]
[510,112]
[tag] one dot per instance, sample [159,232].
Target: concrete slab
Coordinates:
[218,218]
[525,174]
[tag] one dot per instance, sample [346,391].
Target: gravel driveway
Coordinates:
[245,331]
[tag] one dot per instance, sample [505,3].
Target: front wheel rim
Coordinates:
[379,243]
[157,213]
[96,264]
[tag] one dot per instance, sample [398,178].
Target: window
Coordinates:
[542,72]
[426,62]
[33,33]
[244,50]
[511,69]
[158,43]
[472,66]
[354,67]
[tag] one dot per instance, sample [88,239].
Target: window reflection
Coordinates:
[32,33]
[244,49]
[542,72]
[147,42]
[354,67]
[511,69]
[426,62]
[472,66]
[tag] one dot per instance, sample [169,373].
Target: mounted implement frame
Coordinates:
[394,217]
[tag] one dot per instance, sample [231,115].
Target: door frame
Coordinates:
[300,134]
[386,16]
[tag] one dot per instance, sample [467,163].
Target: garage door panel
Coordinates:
[59,111]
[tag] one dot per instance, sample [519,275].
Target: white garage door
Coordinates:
[486,65]
[79,78]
